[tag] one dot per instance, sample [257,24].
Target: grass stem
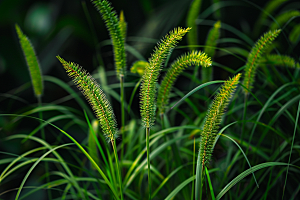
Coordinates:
[122,115]
[44,138]
[148,160]
[118,168]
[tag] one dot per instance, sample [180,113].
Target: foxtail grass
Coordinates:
[149,80]
[99,103]
[256,52]
[211,128]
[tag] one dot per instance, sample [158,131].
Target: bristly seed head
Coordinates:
[95,96]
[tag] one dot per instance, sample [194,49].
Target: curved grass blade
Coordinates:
[210,185]
[283,18]
[34,165]
[56,154]
[243,154]
[195,90]
[287,170]
[179,187]
[246,173]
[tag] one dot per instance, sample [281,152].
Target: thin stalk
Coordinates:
[148,159]
[44,138]
[166,140]
[193,184]
[287,170]
[118,168]
[122,115]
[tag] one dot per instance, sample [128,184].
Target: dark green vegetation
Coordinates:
[174,99]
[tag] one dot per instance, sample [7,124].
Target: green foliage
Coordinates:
[94,95]
[209,49]
[32,62]
[284,18]
[191,22]
[116,31]
[148,87]
[192,58]
[256,52]
[213,119]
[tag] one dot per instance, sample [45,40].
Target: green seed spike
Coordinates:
[123,25]
[209,49]
[32,63]
[94,95]
[116,34]
[149,80]
[256,52]
[192,58]
[281,61]
[213,118]
[191,22]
